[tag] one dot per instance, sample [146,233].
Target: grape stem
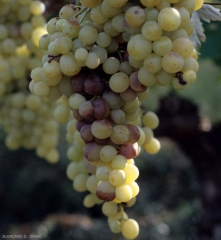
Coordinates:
[121,210]
[120,56]
[82,19]
[91,100]
[81,11]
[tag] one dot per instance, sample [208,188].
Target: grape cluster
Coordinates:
[102,58]
[29,123]
[27,119]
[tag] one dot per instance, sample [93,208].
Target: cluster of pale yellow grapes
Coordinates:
[27,119]
[98,61]
[102,58]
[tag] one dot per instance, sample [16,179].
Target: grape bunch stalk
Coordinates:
[102,57]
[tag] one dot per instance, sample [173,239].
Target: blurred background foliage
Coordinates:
[37,198]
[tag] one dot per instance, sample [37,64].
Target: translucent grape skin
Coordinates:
[101,108]
[135,84]
[71,27]
[109,209]
[120,134]
[101,141]
[128,150]
[93,85]
[113,99]
[77,82]
[92,151]
[86,109]
[119,82]
[90,119]
[101,129]
[77,115]
[128,95]
[86,133]
[130,229]
[68,11]
[117,116]
[135,16]
[80,124]
[134,133]
[105,191]
[90,168]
